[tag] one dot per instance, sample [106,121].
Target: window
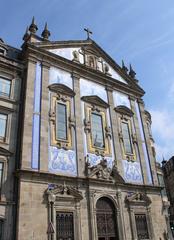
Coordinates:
[97,130]
[2,51]
[97,126]
[61,122]
[65,226]
[126,138]
[3,124]
[141,225]
[5,87]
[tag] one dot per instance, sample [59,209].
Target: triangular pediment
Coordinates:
[63,191]
[90,54]
[138,199]
[95,100]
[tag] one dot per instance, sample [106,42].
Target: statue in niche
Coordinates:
[75,56]
[91,62]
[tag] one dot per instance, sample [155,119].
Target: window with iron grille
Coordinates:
[65,226]
[141,225]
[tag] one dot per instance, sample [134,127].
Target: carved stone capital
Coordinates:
[75,75]
[119,194]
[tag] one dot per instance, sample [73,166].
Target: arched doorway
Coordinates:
[106,219]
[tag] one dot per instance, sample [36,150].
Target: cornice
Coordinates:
[5,152]
[9,100]
[46,177]
[11,65]
[95,100]
[124,110]
[61,88]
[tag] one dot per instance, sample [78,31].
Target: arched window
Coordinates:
[106,219]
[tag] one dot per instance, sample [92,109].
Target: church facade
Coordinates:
[86,163]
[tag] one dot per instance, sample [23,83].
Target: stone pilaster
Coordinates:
[150,224]
[93,226]
[139,140]
[148,144]
[79,126]
[114,127]
[44,119]
[78,217]
[120,217]
[133,224]
[28,115]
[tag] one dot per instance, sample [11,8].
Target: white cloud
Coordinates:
[163,131]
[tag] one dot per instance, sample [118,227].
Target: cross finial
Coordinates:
[88,32]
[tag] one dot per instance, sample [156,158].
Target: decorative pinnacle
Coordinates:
[46,33]
[132,73]
[26,35]
[125,69]
[33,27]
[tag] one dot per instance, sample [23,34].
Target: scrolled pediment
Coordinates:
[100,171]
[138,198]
[65,191]
[95,100]
[117,177]
[124,110]
[62,89]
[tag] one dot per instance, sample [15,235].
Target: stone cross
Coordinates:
[88,32]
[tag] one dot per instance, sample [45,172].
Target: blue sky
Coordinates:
[140,32]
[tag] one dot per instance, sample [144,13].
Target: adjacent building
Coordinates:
[168,170]
[11,72]
[81,159]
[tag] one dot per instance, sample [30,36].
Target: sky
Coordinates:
[140,32]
